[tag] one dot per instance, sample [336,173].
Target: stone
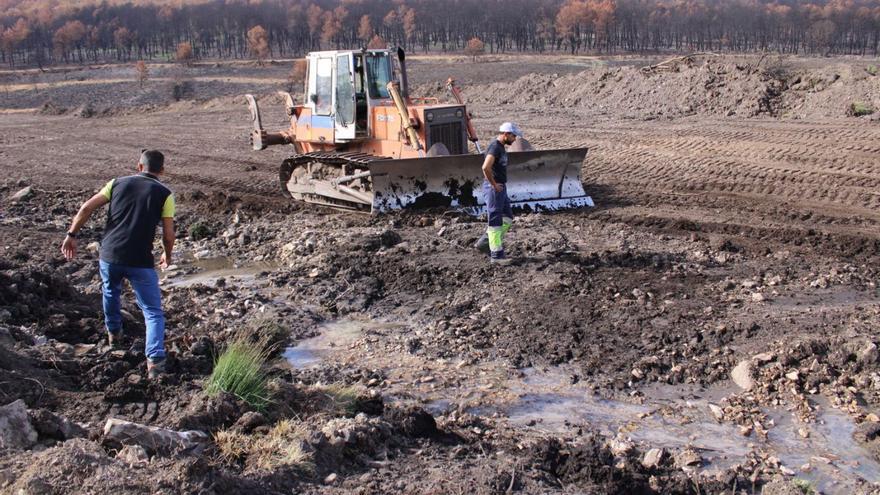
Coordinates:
[653,458]
[93,247]
[389,238]
[620,446]
[763,357]
[331,478]
[872,418]
[742,375]
[793,375]
[688,457]
[201,347]
[249,421]
[133,454]
[118,432]
[637,373]
[717,412]
[757,297]
[16,430]
[867,354]
[49,424]
[22,194]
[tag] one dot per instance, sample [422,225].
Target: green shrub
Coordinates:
[239,371]
[871,69]
[804,486]
[858,109]
[199,231]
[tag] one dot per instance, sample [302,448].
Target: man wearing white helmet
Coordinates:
[495,189]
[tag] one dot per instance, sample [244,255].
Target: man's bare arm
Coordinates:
[487,171]
[167,241]
[68,247]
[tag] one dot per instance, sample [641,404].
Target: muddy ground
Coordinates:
[709,327]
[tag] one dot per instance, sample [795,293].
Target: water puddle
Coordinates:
[209,270]
[666,416]
[678,416]
[333,337]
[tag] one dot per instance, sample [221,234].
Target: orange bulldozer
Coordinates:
[362,142]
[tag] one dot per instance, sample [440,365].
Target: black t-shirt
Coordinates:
[499,168]
[137,203]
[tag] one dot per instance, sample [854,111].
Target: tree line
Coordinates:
[41,32]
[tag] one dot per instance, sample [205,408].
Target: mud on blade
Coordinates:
[536,180]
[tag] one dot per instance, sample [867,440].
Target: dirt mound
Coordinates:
[719,86]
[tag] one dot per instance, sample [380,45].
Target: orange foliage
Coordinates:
[67,36]
[474,47]
[184,53]
[140,68]
[365,28]
[122,37]
[14,35]
[390,19]
[314,19]
[377,43]
[258,43]
[409,23]
[333,24]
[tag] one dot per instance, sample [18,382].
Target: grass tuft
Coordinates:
[199,231]
[282,446]
[233,446]
[239,371]
[858,109]
[804,486]
[872,69]
[342,399]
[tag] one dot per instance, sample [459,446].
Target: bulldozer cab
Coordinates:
[341,88]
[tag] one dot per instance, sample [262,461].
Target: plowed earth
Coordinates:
[724,233]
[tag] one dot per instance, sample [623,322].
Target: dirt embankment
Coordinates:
[704,85]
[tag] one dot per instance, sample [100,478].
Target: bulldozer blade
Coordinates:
[536,181]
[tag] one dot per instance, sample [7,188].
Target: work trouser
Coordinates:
[145,283]
[500,217]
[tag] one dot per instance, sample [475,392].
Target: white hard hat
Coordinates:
[511,128]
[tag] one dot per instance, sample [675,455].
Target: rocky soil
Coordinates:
[721,299]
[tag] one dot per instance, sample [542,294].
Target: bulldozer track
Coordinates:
[340,160]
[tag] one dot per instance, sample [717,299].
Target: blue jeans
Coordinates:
[145,283]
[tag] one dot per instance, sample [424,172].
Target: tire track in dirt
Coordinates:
[762,178]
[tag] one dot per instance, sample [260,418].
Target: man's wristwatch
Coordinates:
[72,235]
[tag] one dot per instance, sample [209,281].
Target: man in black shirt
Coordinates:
[137,204]
[495,189]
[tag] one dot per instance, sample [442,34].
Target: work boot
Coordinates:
[116,339]
[155,368]
[482,244]
[498,258]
